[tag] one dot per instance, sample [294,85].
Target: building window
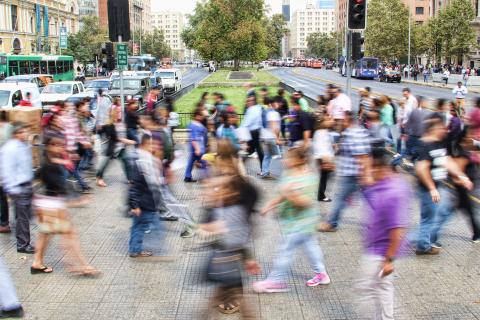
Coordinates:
[419,10]
[14,17]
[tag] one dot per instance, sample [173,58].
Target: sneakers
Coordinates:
[268,286]
[437,245]
[432,251]
[15,313]
[320,278]
[476,239]
[5,229]
[143,254]
[325,199]
[187,233]
[189,180]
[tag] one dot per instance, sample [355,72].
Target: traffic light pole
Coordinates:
[120,71]
[348,61]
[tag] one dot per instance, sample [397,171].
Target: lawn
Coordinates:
[235,95]
[262,76]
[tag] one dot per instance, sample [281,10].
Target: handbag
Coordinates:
[225,267]
[52,215]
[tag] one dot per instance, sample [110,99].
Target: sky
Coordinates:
[187,6]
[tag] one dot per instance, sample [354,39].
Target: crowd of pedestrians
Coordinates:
[363,150]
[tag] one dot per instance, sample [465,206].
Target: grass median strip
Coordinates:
[222,76]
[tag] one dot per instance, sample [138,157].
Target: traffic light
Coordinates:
[118,20]
[111,63]
[357,14]
[109,49]
[357,46]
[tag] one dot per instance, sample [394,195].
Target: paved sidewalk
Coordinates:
[441,287]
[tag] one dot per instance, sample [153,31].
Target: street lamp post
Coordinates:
[409,42]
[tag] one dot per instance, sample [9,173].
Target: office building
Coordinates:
[172,24]
[307,21]
[286,10]
[325,4]
[139,14]
[27,27]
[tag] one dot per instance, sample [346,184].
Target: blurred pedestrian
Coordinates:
[352,166]
[52,215]
[197,142]
[27,102]
[10,305]
[132,120]
[384,236]
[5,133]
[324,153]
[17,177]
[295,205]
[299,125]
[282,109]
[270,136]
[365,105]
[460,93]
[253,122]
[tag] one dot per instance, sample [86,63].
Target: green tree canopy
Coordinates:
[276,30]
[87,42]
[386,35]
[153,43]
[228,30]
[322,45]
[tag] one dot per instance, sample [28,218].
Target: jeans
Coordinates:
[285,255]
[428,210]
[324,174]
[140,224]
[373,290]
[76,174]
[22,203]
[8,296]
[86,160]
[270,149]
[132,134]
[411,149]
[191,160]
[254,145]
[106,161]
[466,204]
[346,187]
[4,218]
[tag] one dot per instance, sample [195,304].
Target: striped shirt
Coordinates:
[354,142]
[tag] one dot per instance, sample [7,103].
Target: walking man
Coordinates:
[460,93]
[17,176]
[253,122]
[198,133]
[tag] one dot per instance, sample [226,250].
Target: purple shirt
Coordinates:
[389,208]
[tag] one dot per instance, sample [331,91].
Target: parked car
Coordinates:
[95,85]
[329,66]
[390,76]
[59,91]
[133,88]
[41,80]
[12,93]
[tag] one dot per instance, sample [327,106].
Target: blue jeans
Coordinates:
[346,187]
[8,296]
[285,255]
[146,220]
[411,149]
[270,149]
[444,211]
[132,134]
[76,174]
[86,160]
[191,160]
[427,220]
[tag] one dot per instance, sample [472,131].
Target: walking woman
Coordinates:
[5,132]
[116,134]
[51,211]
[324,153]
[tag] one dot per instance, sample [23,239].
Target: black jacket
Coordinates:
[140,195]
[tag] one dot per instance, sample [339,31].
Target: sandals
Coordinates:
[88,271]
[41,270]
[229,307]
[101,183]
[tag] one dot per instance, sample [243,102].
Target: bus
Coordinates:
[142,63]
[365,68]
[60,67]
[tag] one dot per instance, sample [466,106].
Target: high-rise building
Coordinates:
[87,8]
[27,27]
[307,21]
[286,10]
[172,24]
[325,4]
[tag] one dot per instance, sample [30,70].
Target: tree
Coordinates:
[228,30]
[152,43]
[87,42]
[456,34]
[276,30]
[322,45]
[386,35]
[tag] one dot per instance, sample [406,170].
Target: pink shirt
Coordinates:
[336,108]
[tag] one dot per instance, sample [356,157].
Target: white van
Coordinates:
[12,93]
[171,79]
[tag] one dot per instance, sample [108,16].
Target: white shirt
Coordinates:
[446,74]
[460,93]
[322,144]
[339,105]
[273,123]
[410,104]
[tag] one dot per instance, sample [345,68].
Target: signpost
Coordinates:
[122,63]
[63,42]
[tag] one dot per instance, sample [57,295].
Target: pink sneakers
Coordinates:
[268,286]
[320,278]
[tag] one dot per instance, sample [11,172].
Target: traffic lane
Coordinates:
[393,90]
[311,87]
[194,75]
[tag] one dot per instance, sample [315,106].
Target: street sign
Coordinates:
[63,38]
[122,55]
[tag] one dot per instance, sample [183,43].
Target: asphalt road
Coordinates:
[313,82]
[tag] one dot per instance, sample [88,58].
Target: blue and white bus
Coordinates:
[365,68]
